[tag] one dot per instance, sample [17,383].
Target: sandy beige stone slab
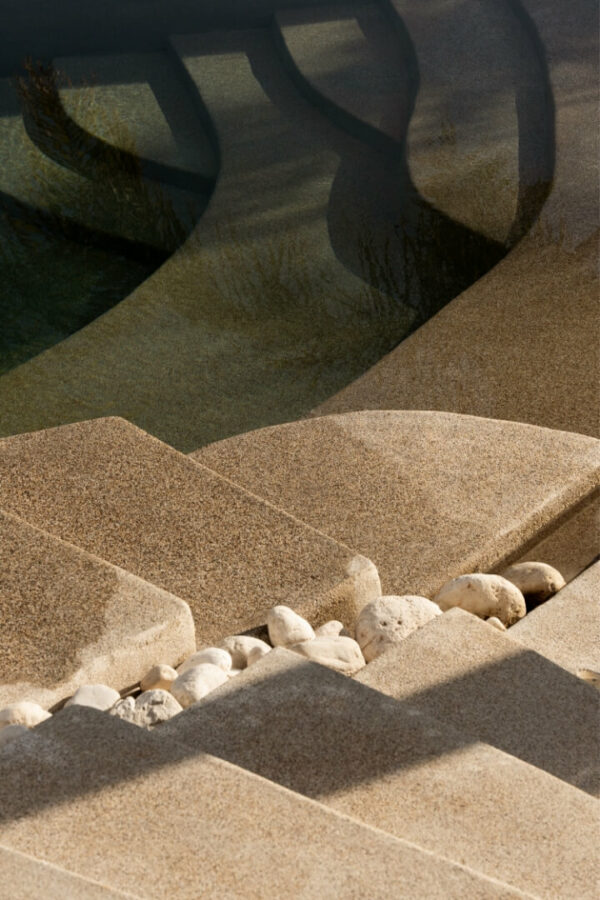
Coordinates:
[477,680]
[122,495]
[427,496]
[390,766]
[22,877]
[566,628]
[68,618]
[523,342]
[116,804]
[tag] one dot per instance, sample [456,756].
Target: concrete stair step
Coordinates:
[426,495]
[114,491]
[479,681]
[566,629]
[69,618]
[388,765]
[115,804]
[26,878]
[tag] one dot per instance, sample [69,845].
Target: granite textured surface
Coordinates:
[68,618]
[124,496]
[116,804]
[566,629]
[477,680]
[23,877]
[388,765]
[427,496]
[523,343]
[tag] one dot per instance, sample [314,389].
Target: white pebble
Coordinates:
[159,678]
[537,581]
[196,683]
[24,712]
[10,732]
[150,708]
[257,653]
[331,629]
[239,646]
[233,672]
[98,696]
[215,656]
[486,596]
[286,627]
[495,622]
[385,622]
[340,653]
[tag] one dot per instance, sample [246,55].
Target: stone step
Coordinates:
[477,680]
[69,618]
[122,495]
[388,765]
[426,495]
[24,877]
[566,629]
[116,804]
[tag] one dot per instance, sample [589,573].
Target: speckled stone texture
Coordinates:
[68,618]
[23,877]
[523,343]
[477,680]
[566,628]
[386,764]
[427,496]
[116,804]
[124,496]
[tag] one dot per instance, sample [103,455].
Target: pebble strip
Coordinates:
[499,599]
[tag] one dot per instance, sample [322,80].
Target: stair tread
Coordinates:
[69,618]
[124,496]
[566,628]
[426,495]
[466,674]
[116,804]
[386,764]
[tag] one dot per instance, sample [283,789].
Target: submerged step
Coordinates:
[69,618]
[116,492]
[388,765]
[116,804]
[477,680]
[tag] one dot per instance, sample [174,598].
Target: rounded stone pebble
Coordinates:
[387,621]
[239,646]
[495,622]
[24,713]
[98,696]
[486,596]
[537,581]
[197,682]
[332,629]
[257,653]
[149,709]
[342,654]
[215,656]
[11,732]
[159,678]
[286,627]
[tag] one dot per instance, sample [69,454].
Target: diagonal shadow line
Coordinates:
[306,728]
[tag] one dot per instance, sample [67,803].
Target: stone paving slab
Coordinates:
[118,493]
[68,618]
[23,877]
[386,764]
[471,677]
[427,496]
[566,629]
[116,804]
[487,353]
